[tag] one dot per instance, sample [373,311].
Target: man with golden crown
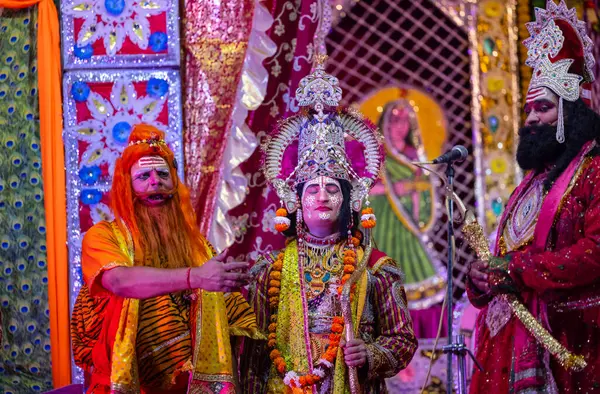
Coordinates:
[152,316]
[333,307]
[547,252]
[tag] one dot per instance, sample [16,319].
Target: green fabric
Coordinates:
[393,237]
[25,350]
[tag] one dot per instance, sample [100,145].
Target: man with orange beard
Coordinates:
[152,316]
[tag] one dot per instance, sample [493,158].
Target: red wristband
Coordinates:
[189,271]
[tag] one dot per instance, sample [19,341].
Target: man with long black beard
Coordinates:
[547,250]
[152,316]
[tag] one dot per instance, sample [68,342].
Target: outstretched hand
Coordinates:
[215,275]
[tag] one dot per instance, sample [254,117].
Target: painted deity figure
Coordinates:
[158,307]
[547,250]
[405,200]
[333,307]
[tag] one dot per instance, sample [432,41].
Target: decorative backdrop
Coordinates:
[25,345]
[116,33]
[297,31]
[101,108]
[381,45]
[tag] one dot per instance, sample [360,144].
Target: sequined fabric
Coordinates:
[216,39]
[562,270]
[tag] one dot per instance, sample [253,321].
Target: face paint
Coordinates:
[151,180]
[541,107]
[322,200]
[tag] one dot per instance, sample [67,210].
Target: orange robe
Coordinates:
[162,331]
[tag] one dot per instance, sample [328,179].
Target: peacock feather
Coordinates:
[25,348]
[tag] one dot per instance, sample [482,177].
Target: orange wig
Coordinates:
[147,140]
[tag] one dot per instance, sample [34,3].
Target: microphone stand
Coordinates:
[456,345]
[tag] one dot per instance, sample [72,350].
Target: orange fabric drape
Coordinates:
[53,173]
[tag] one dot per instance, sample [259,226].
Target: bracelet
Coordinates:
[189,271]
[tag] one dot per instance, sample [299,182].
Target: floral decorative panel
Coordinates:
[120,33]
[100,110]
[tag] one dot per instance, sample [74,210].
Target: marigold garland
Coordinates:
[299,382]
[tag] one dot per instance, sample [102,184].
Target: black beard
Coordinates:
[538,147]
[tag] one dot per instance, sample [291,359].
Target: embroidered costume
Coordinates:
[174,343]
[298,294]
[548,242]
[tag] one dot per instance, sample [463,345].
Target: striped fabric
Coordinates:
[163,339]
[86,324]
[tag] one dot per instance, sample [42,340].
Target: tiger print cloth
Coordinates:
[164,341]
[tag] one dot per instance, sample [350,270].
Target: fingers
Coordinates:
[479,265]
[238,276]
[355,359]
[221,256]
[481,285]
[235,265]
[479,275]
[354,346]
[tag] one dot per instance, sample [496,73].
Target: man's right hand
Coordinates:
[479,276]
[215,275]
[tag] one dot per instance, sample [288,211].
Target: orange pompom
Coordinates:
[275,283]
[275,354]
[367,211]
[281,212]
[281,227]
[355,242]
[349,253]
[338,320]
[348,260]
[281,367]
[277,266]
[275,275]
[348,269]
[302,380]
[272,343]
[272,335]
[329,354]
[274,318]
[368,223]
[345,278]
[273,291]
[337,328]
[272,327]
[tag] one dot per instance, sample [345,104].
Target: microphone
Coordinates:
[458,153]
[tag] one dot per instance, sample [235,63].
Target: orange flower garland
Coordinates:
[292,379]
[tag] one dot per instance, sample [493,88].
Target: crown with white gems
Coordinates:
[319,88]
[556,77]
[323,136]
[546,38]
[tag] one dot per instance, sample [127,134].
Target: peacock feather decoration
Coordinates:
[25,327]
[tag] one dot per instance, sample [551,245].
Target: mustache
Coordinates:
[164,193]
[545,130]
